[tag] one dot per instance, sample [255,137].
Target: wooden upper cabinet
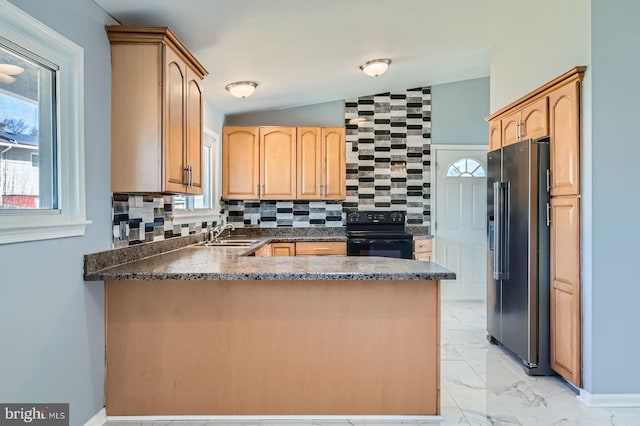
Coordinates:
[511,128]
[334,163]
[240,163]
[278,163]
[495,134]
[530,122]
[564,111]
[566,332]
[534,123]
[309,163]
[321,163]
[156,112]
[195,130]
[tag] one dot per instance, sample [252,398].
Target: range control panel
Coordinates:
[388,217]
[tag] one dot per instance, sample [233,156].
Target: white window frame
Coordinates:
[211,139]
[69,219]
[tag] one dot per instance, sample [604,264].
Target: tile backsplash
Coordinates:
[388,160]
[143,218]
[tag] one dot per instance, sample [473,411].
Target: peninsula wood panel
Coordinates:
[241,163]
[272,347]
[277,163]
[309,163]
[566,320]
[565,139]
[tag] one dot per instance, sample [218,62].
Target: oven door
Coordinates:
[401,249]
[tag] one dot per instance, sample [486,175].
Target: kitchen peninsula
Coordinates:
[214,331]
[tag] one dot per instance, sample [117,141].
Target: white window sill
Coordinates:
[36,232]
[194,216]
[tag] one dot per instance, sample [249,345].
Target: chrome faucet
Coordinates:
[219,229]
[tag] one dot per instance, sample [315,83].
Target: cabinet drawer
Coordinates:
[319,248]
[421,246]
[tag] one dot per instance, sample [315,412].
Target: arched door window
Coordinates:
[466,167]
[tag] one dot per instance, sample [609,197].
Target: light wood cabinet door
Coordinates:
[278,163]
[534,123]
[240,163]
[309,163]
[422,250]
[194,133]
[283,249]
[566,332]
[564,111]
[510,128]
[334,163]
[495,135]
[174,145]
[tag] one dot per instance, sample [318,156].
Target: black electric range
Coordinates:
[378,233]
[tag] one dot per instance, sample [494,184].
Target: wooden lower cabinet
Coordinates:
[264,251]
[423,250]
[321,248]
[283,249]
[566,319]
[270,347]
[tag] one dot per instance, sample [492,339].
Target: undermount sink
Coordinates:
[236,243]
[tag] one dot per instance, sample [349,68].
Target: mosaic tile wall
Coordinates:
[138,219]
[388,167]
[388,153]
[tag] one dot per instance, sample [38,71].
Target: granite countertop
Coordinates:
[197,262]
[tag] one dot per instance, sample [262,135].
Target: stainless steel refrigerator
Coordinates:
[518,241]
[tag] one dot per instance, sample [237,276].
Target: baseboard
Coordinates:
[98,419]
[609,399]
[244,419]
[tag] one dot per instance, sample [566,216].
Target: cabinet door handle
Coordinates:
[548,180]
[548,214]
[186,179]
[517,130]
[321,248]
[190,177]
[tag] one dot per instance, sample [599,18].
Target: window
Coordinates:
[41,131]
[466,167]
[189,207]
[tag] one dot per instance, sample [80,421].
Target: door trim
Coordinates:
[434,181]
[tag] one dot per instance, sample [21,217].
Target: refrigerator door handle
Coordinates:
[500,230]
[506,212]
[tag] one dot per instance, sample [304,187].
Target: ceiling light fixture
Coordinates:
[242,89]
[6,72]
[375,67]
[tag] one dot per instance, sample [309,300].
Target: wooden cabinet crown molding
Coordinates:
[139,34]
[540,91]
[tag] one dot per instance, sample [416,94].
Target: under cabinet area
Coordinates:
[156,130]
[284,163]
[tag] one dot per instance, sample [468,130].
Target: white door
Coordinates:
[460,231]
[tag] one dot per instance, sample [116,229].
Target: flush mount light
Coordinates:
[375,67]
[7,71]
[242,89]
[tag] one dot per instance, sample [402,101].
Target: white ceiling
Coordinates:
[308,51]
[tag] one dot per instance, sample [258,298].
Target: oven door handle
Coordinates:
[375,240]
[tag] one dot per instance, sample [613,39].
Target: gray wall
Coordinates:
[51,321]
[616,290]
[458,112]
[212,117]
[325,114]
